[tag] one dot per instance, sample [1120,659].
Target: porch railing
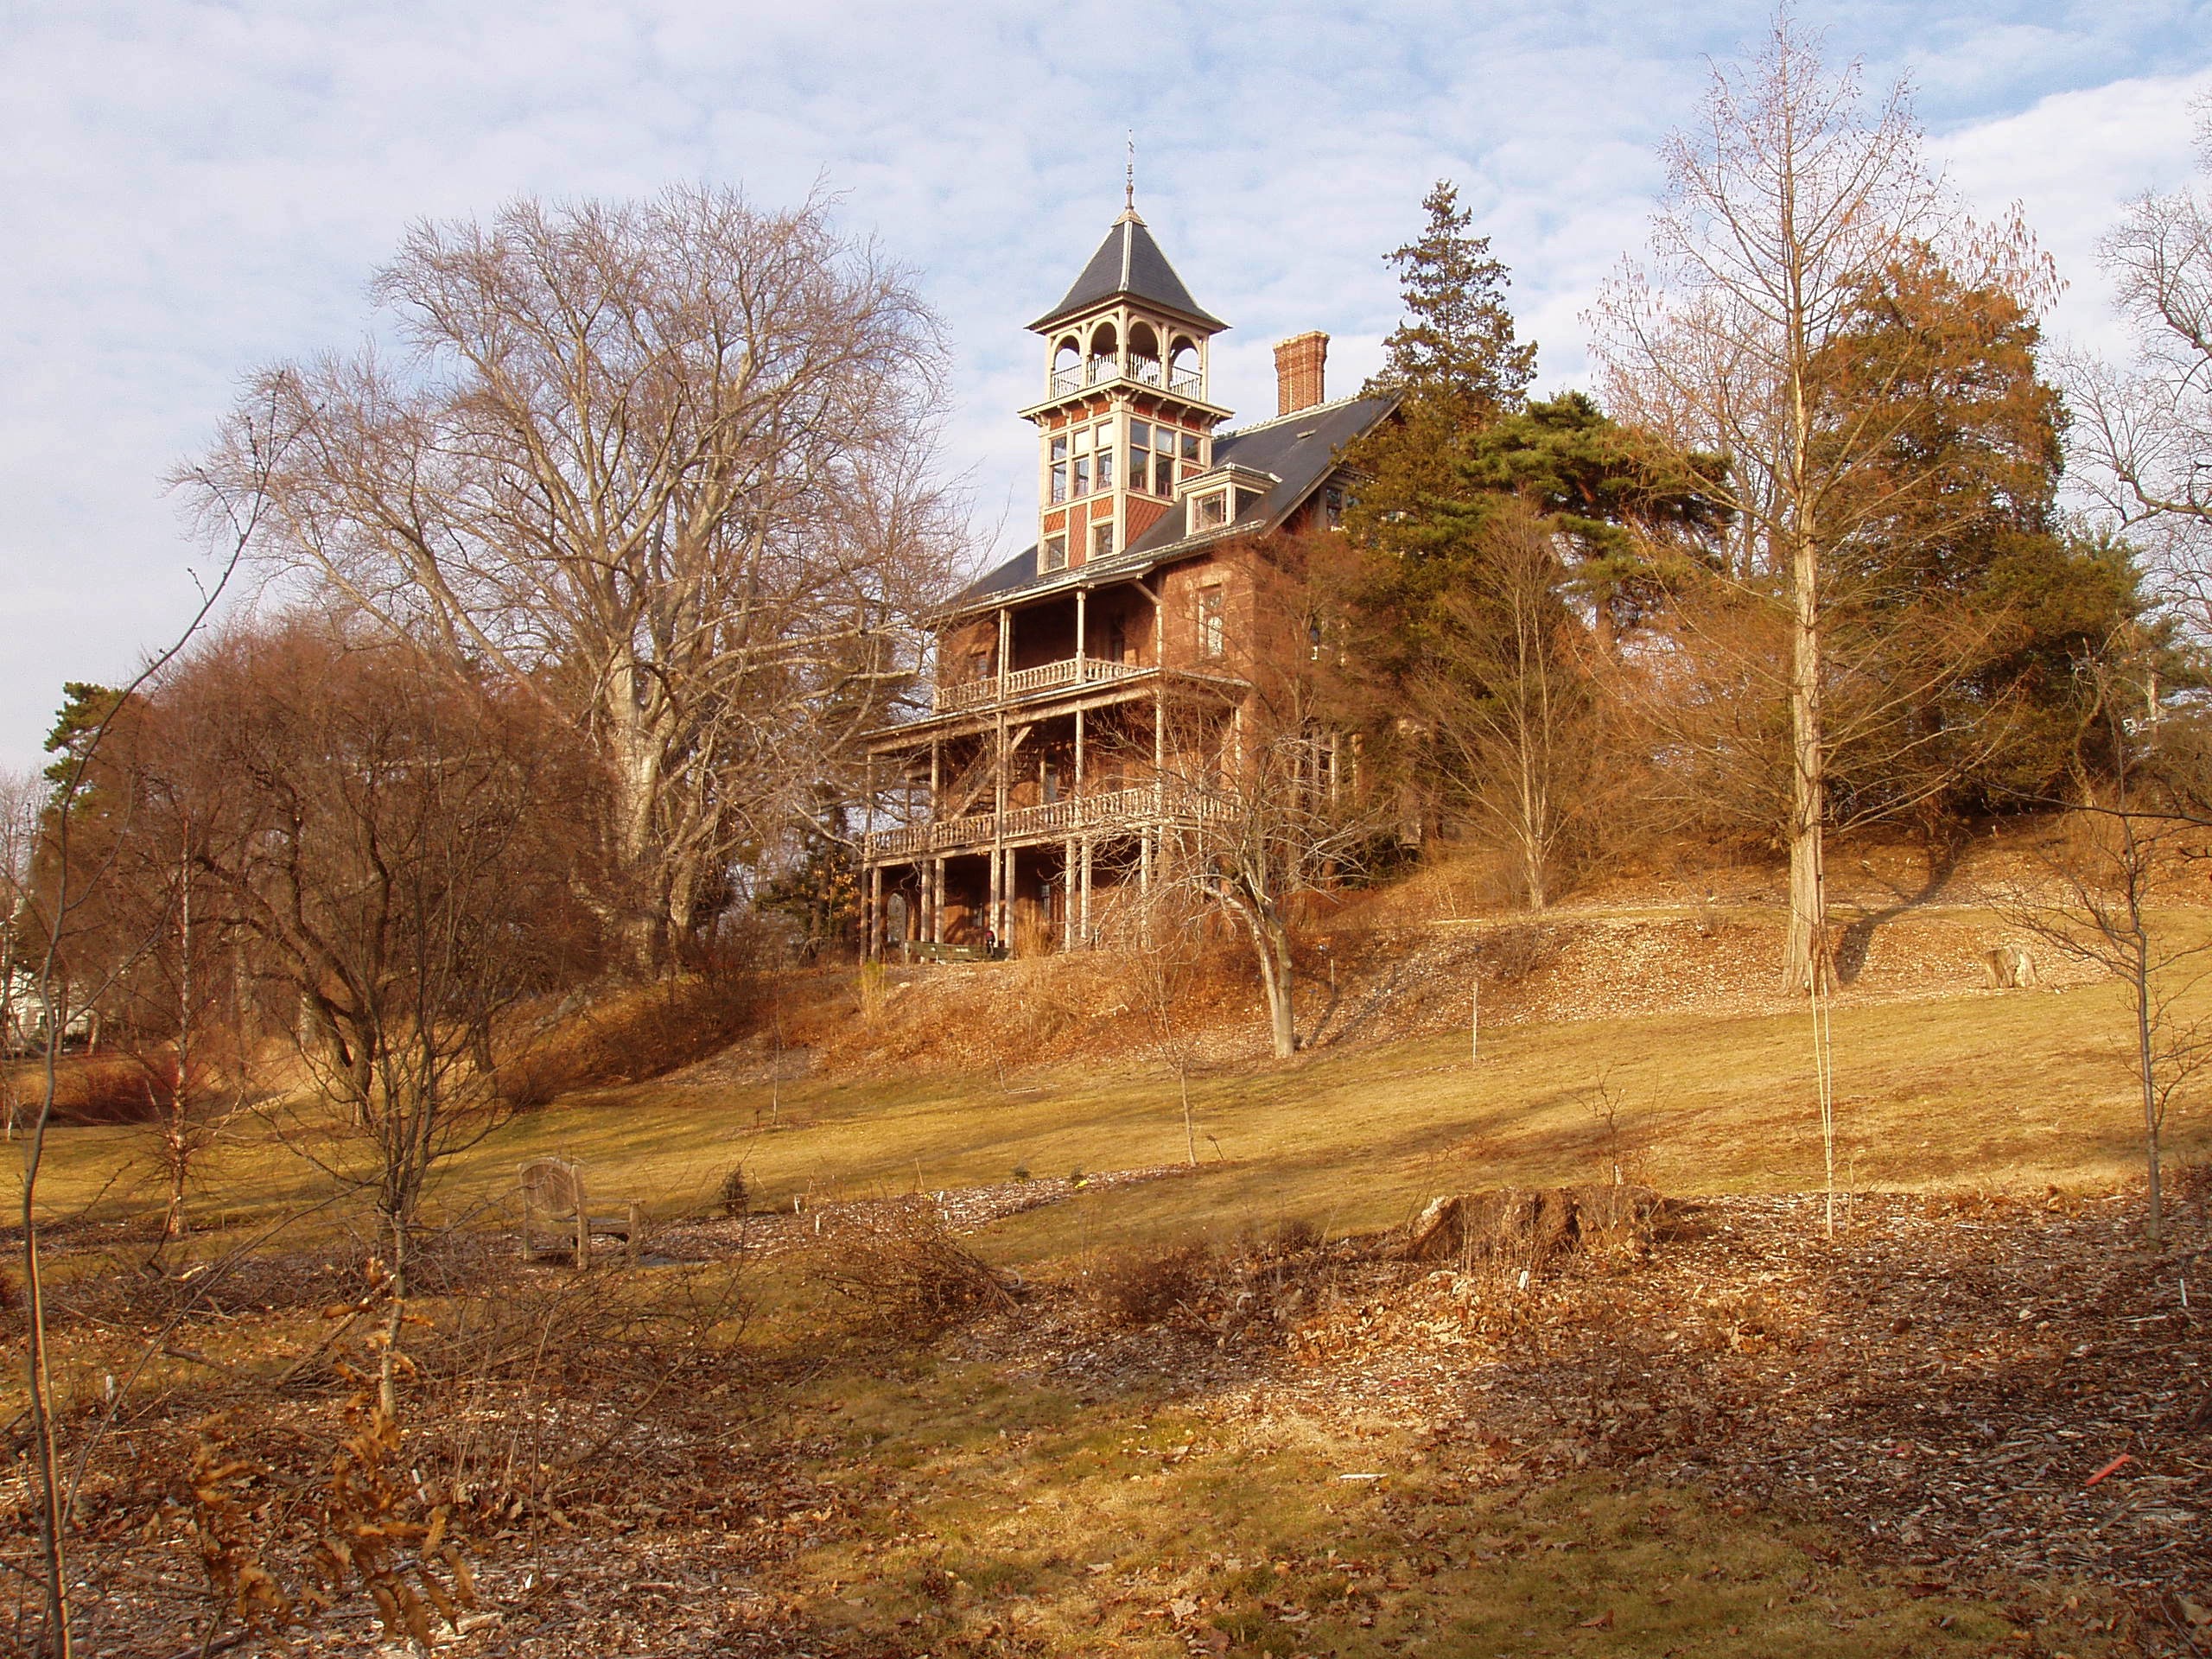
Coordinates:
[1028,682]
[1077,815]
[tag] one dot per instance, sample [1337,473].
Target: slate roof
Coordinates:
[1300,450]
[1128,264]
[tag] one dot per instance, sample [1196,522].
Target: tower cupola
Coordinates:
[1127,410]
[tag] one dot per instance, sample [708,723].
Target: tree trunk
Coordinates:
[642,903]
[1273,943]
[1805,955]
[2145,1064]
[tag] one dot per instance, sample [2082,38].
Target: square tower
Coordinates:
[1127,417]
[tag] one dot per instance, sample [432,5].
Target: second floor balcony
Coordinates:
[1163,801]
[1020,683]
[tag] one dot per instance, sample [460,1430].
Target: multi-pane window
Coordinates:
[1332,507]
[1105,457]
[1059,470]
[1083,462]
[1101,538]
[1213,628]
[1054,554]
[1209,511]
[1140,454]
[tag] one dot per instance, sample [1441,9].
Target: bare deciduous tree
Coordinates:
[1787,204]
[666,466]
[2125,858]
[1262,785]
[22,795]
[1507,694]
[2142,435]
[389,836]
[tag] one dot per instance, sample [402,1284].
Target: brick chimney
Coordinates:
[1299,363]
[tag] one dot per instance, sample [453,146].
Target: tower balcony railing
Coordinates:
[1166,801]
[1145,371]
[1028,682]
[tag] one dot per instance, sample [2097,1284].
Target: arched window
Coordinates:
[1144,353]
[1067,360]
[1105,351]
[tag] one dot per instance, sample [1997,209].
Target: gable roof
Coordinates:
[1298,451]
[1128,265]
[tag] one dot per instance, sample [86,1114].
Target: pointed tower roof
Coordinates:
[1128,265]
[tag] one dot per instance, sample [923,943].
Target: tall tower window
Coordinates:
[1059,470]
[1083,462]
[1213,629]
[1106,452]
[1141,456]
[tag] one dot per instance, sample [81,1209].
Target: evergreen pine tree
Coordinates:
[1456,344]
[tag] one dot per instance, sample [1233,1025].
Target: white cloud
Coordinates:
[195,188]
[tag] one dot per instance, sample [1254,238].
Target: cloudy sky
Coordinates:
[190,190]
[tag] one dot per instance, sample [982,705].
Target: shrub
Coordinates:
[735,1197]
[1152,1287]
[908,1271]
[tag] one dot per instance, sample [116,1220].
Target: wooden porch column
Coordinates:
[876,910]
[1087,844]
[1144,888]
[1078,753]
[1068,897]
[936,878]
[991,907]
[1006,641]
[1081,652]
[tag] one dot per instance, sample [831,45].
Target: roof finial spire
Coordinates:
[1129,184]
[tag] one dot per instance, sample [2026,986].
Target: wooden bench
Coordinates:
[555,1188]
[925,951]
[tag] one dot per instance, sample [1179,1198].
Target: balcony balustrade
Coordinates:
[1145,371]
[1028,682]
[1120,809]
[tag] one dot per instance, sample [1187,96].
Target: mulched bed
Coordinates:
[1989,1390]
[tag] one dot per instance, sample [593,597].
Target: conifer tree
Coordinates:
[1455,366]
[1456,344]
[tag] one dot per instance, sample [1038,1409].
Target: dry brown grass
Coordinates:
[90,1088]
[645,1031]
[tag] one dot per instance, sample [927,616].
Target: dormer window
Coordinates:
[1210,510]
[1053,554]
[1332,507]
